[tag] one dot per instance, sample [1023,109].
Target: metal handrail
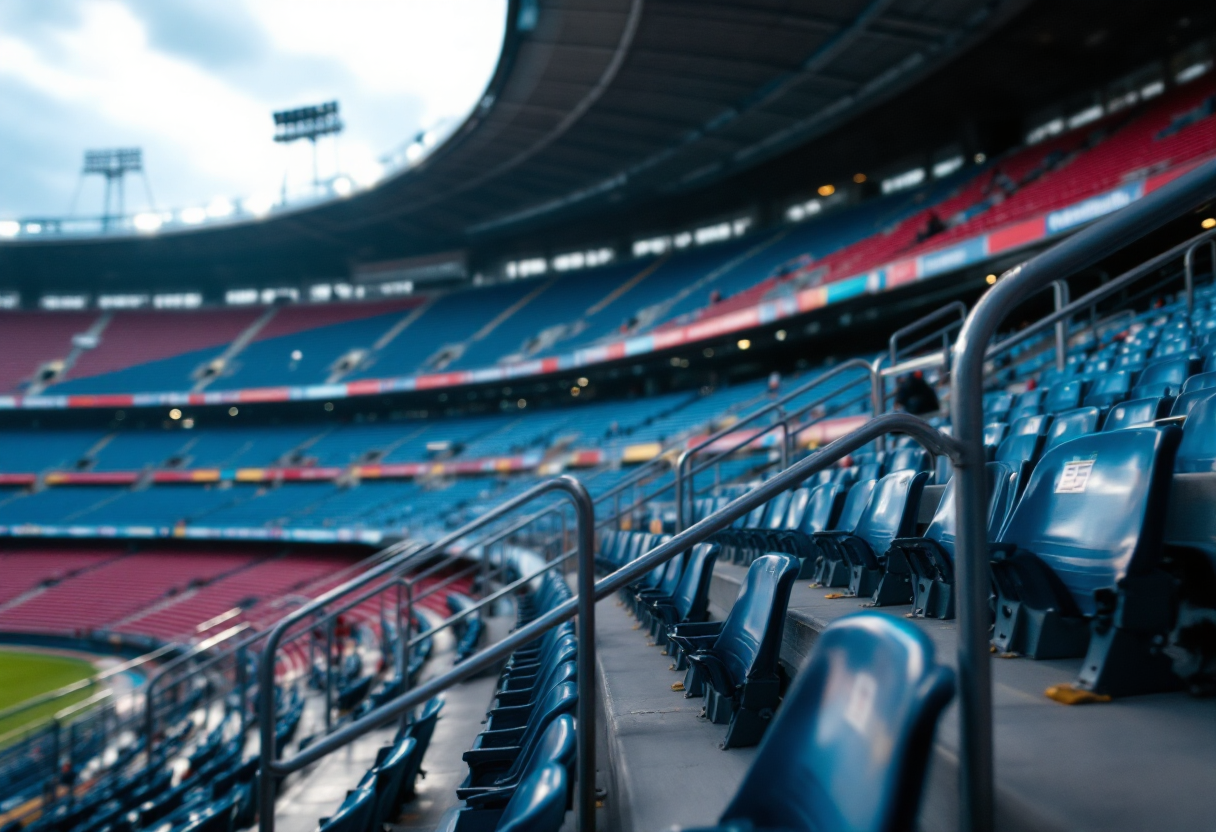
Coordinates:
[572,490]
[1188,265]
[788,436]
[1097,295]
[583,605]
[953,308]
[876,404]
[1154,210]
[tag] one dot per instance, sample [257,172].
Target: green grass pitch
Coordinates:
[24,675]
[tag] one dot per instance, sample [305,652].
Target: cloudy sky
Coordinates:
[193,82]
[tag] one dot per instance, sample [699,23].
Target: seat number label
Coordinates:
[861,702]
[1075,476]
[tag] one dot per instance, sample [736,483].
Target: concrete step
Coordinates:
[1144,762]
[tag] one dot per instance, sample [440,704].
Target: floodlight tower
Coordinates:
[114,164]
[308,123]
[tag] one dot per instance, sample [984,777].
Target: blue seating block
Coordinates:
[849,750]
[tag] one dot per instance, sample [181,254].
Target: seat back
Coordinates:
[1023,447]
[355,813]
[1201,381]
[1094,509]
[1198,449]
[1031,425]
[1172,371]
[692,596]
[1109,388]
[1002,488]
[389,775]
[849,749]
[1134,413]
[855,505]
[994,433]
[891,512]
[672,570]
[823,508]
[560,699]
[751,634]
[1070,425]
[799,500]
[778,507]
[908,459]
[556,745]
[1187,401]
[1065,396]
[538,803]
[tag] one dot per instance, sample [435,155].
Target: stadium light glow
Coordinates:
[219,208]
[9,228]
[193,215]
[148,223]
[744,344]
[990,279]
[343,186]
[859,178]
[259,204]
[232,411]
[1210,222]
[175,414]
[827,190]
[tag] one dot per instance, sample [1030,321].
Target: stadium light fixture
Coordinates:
[744,344]
[827,190]
[1210,222]
[309,123]
[113,164]
[990,279]
[175,414]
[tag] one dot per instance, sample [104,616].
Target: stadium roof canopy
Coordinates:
[593,102]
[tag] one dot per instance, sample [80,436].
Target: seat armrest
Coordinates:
[499,738]
[479,757]
[509,717]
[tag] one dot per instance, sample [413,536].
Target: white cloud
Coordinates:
[98,80]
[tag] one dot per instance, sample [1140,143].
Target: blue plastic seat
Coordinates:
[926,564]
[1064,396]
[891,513]
[997,406]
[855,502]
[1019,448]
[907,459]
[849,749]
[1084,544]
[1197,453]
[1136,412]
[556,745]
[1170,373]
[1109,389]
[499,754]
[994,434]
[1070,425]
[734,663]
[1199,381]
[1030,425]
[690,600]
[354,815]
[538,804]
[1185,403]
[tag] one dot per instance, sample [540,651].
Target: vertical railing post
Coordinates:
[1059,290]
[585,517]
[972,576]
[329,675]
